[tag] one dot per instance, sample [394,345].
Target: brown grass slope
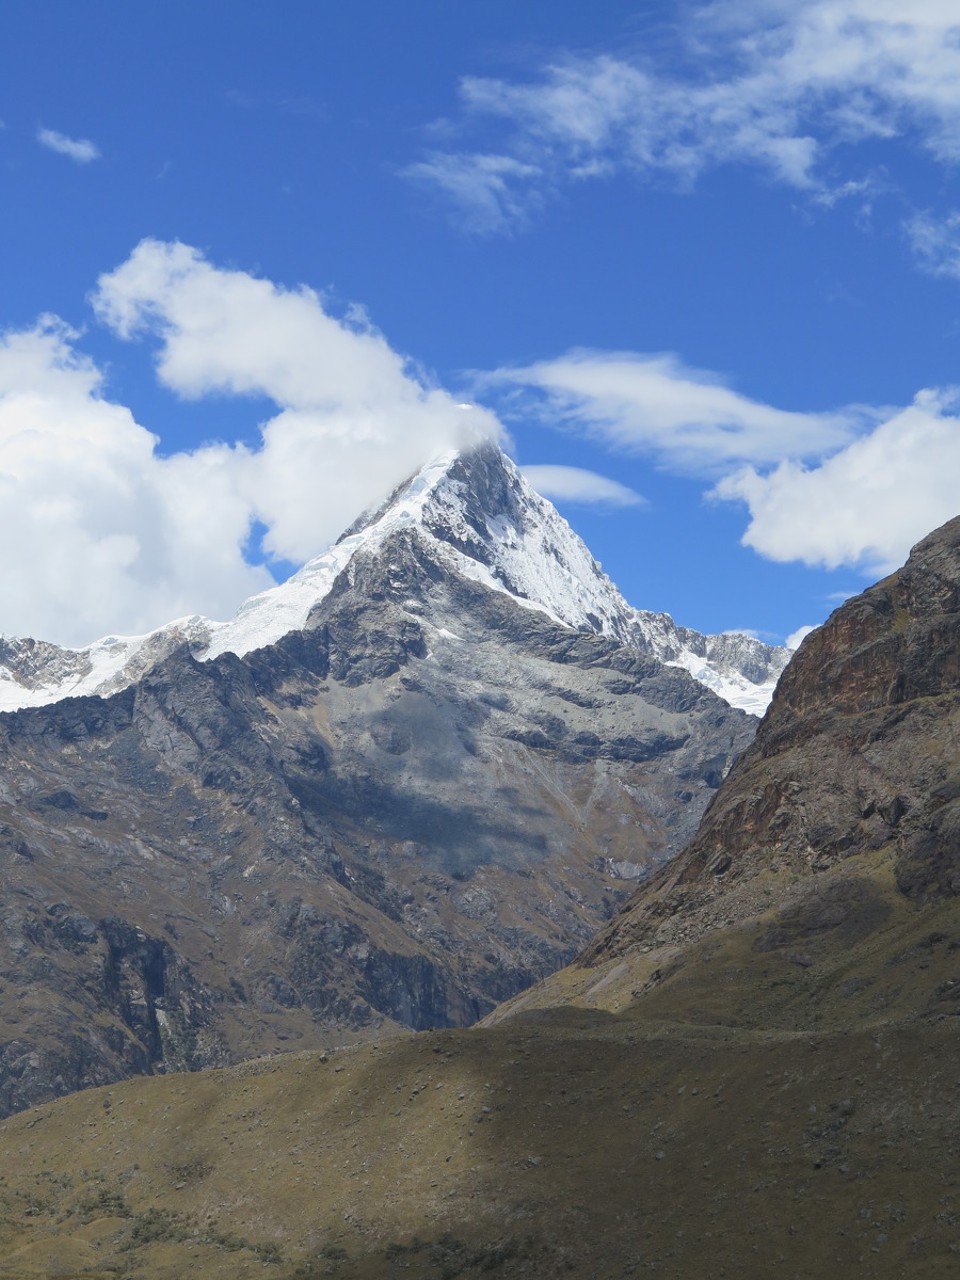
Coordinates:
[753,1072]
[588,1145]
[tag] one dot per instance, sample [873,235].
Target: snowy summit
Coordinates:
[477,517]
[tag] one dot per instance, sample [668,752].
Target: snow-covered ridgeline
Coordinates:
[480,518]
[531,552]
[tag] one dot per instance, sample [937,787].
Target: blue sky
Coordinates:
[253,269]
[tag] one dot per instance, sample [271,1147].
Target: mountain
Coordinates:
[751,1071]
[474,514]
[425,799]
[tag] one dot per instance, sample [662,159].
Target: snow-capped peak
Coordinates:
[480,518]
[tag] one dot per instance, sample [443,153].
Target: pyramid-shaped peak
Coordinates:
[481,479]
[477,513]
[474,515]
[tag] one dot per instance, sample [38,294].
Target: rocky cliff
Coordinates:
[857,754]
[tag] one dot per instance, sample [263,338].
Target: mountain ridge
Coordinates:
[473,509]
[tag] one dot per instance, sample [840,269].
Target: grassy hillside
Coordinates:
[557,1143]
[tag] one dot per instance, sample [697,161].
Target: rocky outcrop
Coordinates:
[856,758]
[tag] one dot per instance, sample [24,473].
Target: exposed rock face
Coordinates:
[425,801]
[855,764]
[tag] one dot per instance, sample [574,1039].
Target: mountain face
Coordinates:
[474,514]
[425,799]
[822,885]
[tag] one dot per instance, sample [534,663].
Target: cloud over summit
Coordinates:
[353,417]
[116,537]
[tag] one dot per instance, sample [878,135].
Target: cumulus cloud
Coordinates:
[865,505]
[101,533]
[795,638]
[577,485]
[106,535]
[777,85]
[80,150]
[685,417]
[112,536]
[354,418]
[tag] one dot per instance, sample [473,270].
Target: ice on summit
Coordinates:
[477,516]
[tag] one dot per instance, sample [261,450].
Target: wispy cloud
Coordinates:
[686,418]
[935,242]
[300,105]
[776,85]
[856,486]
[492,192]
[80,150]
[577,485]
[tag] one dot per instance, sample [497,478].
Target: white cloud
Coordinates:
[101,533]
[111,537]
[80,150]
[354,420]
[776,84]
[868,503]
[854,487]
[686,418]
[936,243]
[484,187]
[795,638]
[575,484]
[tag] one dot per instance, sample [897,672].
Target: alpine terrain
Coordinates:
[474,516]
[390,793]
[751,1072]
